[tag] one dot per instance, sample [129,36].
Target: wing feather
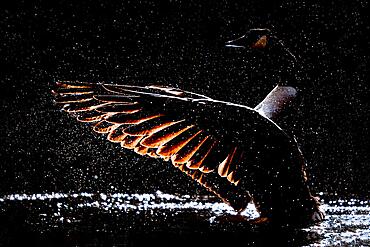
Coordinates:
[187,152]
[129,107]
[90,116]
[141,150]
[81,107]
[173,146]
[225,167]
[163,136]
[160,122]
[134,118]
[73,91]
[103,127]
[75,85]
[130,142]
[71,98]
[117,134]
[150,126]
[196,161]
[115,98]
[217,154]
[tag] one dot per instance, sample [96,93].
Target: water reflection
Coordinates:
[91,219]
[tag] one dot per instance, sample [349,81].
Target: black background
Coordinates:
[180,44]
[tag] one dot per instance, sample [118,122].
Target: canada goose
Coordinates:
[235,151]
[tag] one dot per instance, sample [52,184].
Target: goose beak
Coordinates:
[237,43]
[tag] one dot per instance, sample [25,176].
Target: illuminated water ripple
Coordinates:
[347,221]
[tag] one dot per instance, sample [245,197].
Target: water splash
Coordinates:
[347,221]
[137,202]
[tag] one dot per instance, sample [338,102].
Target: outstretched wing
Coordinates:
[204,138]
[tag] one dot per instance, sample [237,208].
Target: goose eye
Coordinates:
[261,42]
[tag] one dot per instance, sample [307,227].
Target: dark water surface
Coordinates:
[86,219]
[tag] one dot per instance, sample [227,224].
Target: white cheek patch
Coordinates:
[275,102]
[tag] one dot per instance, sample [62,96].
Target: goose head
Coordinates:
[284,69]
[264,39]
[258,38]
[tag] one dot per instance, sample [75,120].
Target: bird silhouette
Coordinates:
[236,152]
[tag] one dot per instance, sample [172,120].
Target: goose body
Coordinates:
[237,152]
